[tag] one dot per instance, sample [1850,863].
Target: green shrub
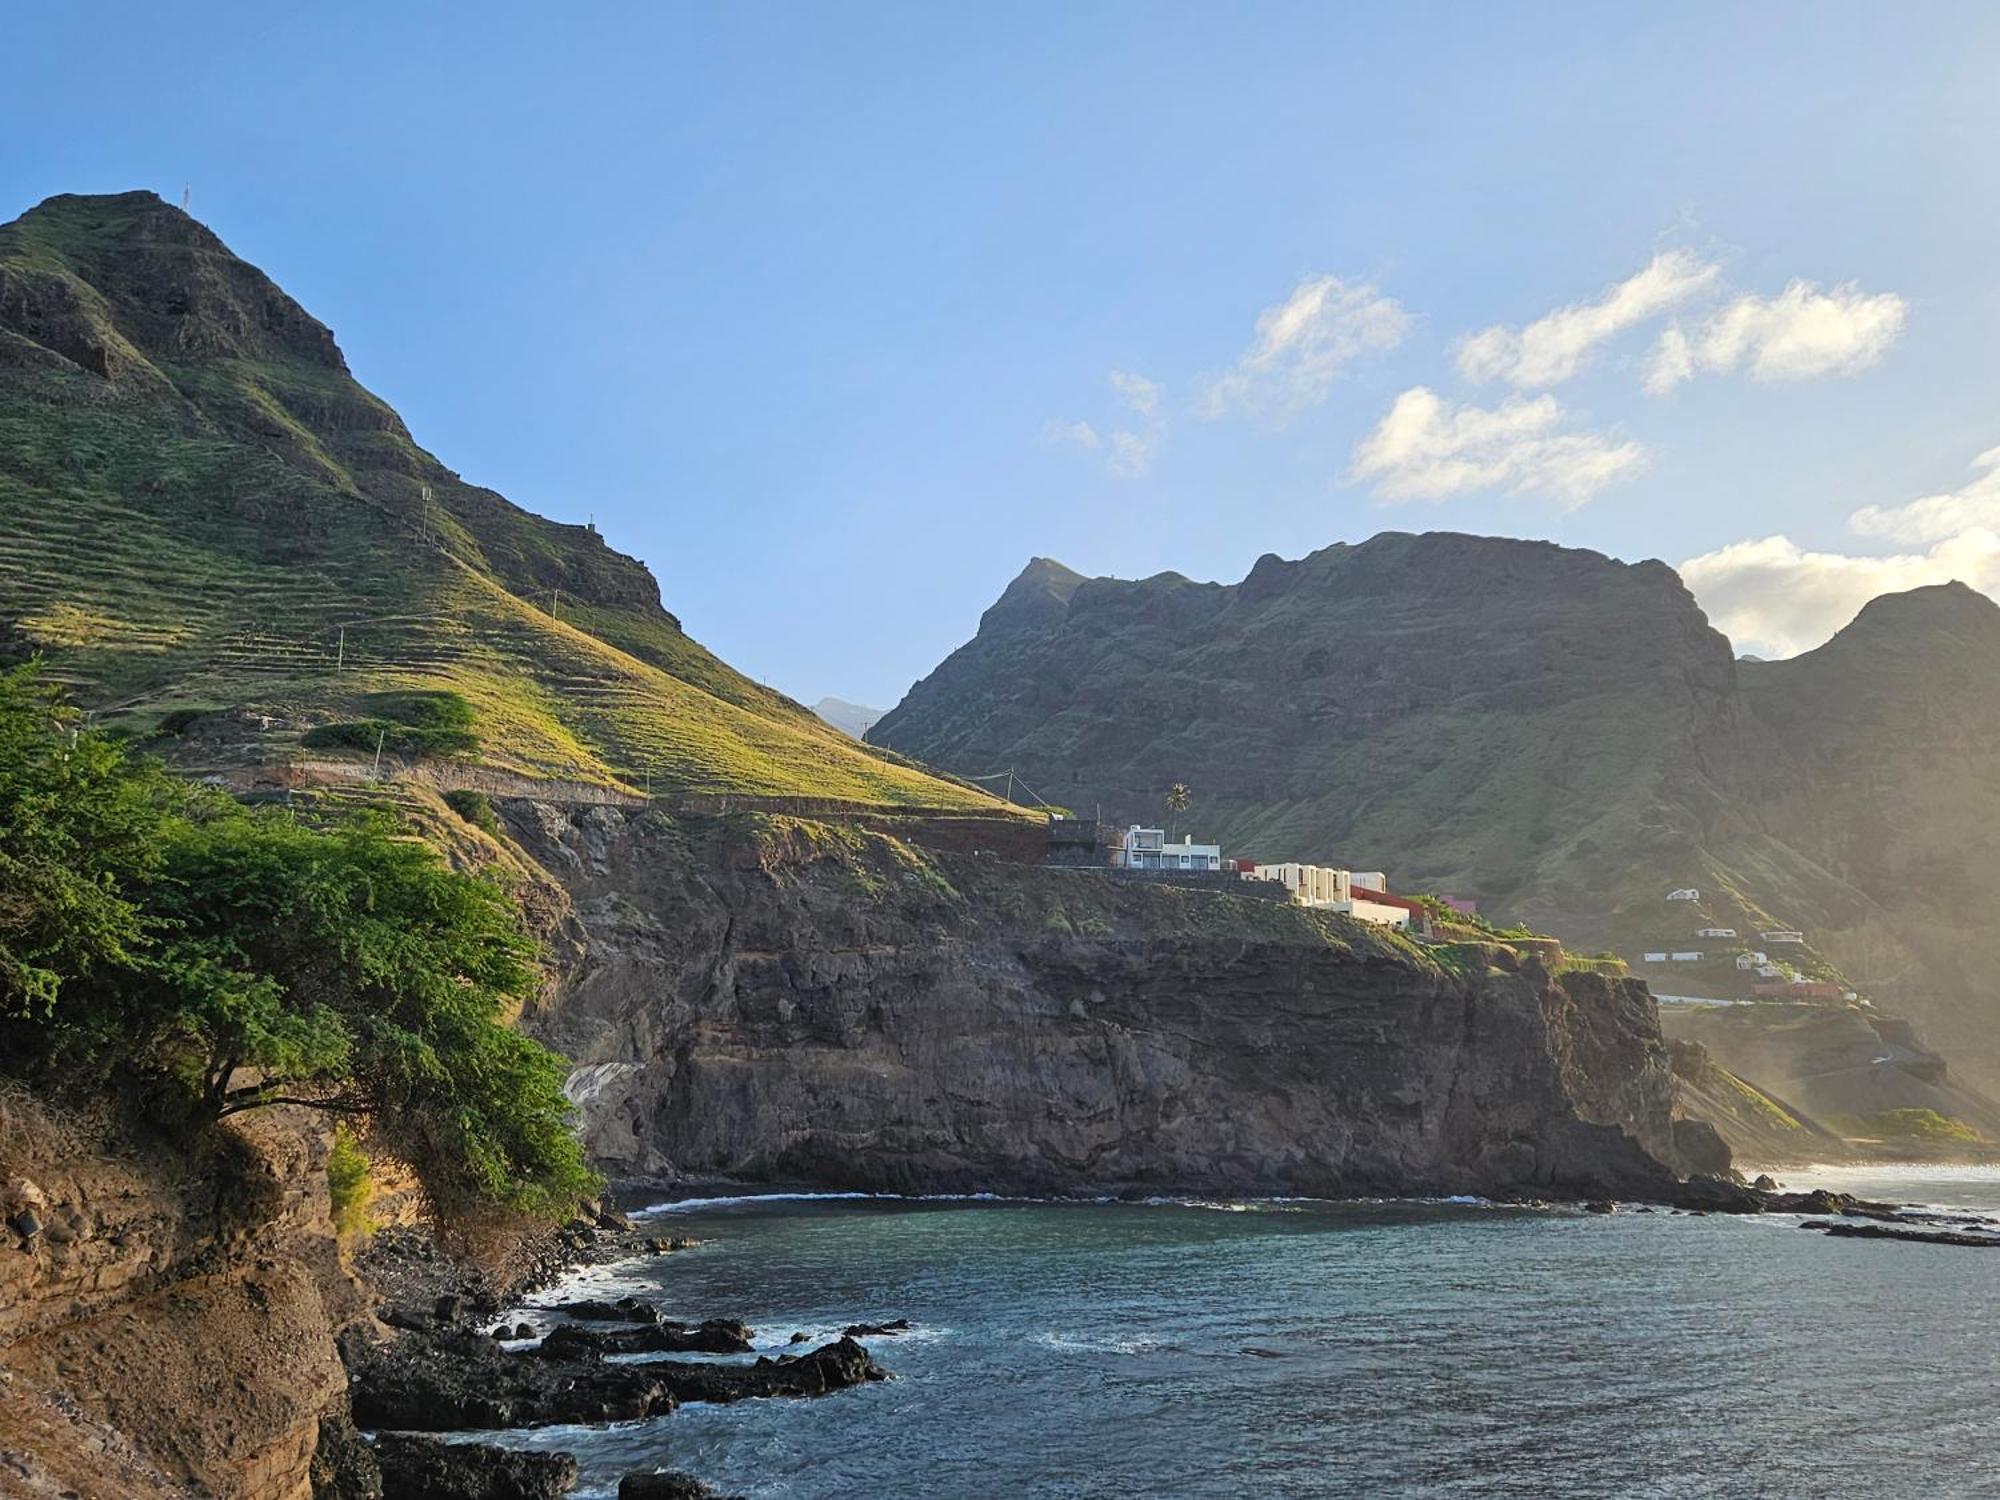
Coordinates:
[475,809]
[154,930]
[350,1183]
[427,722]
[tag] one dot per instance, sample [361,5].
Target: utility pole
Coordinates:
[555,604]
[340,652]
[1010,786]
[380,736]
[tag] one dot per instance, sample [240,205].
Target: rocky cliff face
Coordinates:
[166,1318]
[1558,734]
[776,1001]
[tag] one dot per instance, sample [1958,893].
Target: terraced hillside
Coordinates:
[201,509]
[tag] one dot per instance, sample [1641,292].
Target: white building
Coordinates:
[1783,935]
[1326,889]
[1653,958]
[1751,960]
[1685,893]
[1715,932]
[1685,958]
[1148,849]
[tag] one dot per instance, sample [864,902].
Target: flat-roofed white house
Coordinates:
[1783,935]
[1751,960]
[1148,849]
[1707,932]
[1326,889]
[1653,958]
[1685,893]
[1685,958]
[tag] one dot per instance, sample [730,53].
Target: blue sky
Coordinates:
[837,314]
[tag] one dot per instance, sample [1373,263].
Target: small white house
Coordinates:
[1783,935]
[1748,961]
[1148,849]
[1310,885]
[1711,932]
[1685,958]
[1653,958]
[1685,893]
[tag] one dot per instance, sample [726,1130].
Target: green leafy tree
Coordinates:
[253,961]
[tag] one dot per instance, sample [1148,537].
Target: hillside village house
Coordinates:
[1148,849]
[1714,932]
[1343,891]
[1685,893]
[1783,935]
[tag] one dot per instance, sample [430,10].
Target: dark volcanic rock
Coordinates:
[419,1468]
[715,1336]
[448,1382]
[830,1367]
[873,1330]
[1913,1236]
[624,1310]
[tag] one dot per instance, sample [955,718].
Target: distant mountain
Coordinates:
[849,718]
[201,509]
[1559,734]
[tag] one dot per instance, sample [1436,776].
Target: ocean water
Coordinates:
[1311,1348]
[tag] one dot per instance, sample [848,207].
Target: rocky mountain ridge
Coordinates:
[1556,733]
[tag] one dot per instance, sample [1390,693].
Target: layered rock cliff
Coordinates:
[776,1001]
[167,1311]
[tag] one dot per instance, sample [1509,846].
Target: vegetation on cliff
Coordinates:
[154,930]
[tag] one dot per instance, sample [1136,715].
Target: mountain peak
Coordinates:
[1039,593]
[1937,613]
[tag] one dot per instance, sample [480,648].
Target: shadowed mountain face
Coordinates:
[200,508]
[1561,735]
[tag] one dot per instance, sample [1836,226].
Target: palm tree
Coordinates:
[1179,800]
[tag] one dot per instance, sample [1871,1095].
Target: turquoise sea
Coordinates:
[1314,1348]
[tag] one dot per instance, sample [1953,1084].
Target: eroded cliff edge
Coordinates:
[773,1001]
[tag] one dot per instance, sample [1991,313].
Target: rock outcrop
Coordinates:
[171,1329]
[777,1001]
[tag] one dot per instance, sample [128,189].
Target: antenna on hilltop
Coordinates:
[187,197]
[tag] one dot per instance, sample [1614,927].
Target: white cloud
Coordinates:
[1776,599]
[1428,448]
[1077,434]
[1799,334]
[1772,598]
[1131,448]
[1939,517]
[1554,347]
[1136,392]
[1302,344]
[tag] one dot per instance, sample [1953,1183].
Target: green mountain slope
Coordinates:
[1558,734]
[200,507]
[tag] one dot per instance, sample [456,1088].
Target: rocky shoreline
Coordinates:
[443,1359]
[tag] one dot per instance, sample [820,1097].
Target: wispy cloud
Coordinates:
[1129,449]
[1775,598]
[1428,448]
[1300,348]
[1936,518]
[1555,346]
[1799,334]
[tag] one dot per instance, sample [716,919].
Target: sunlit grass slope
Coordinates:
[200,508]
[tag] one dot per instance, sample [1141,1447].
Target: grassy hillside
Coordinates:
[200,509]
